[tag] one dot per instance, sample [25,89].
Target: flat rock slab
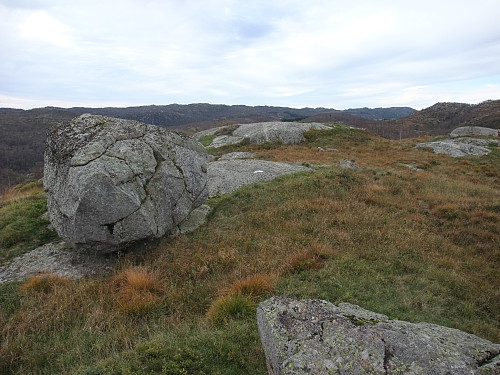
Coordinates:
[474,130]
[59,259]
[317,337]
[237,155]
[258,133]
[225,176]
[459,147]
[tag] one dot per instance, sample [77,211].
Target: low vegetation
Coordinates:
[418,246]
[21,226]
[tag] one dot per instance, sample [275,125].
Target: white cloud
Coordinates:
[288,52]
[43,27]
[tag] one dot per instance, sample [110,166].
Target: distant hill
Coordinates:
[22,132]
[438,119]
[442,118]
[380,113]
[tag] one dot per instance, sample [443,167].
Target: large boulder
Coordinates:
[110,182]
[258,133]
[317,337]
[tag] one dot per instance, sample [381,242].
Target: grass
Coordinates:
[44,283]
[207,140]
[22,227]
[233,306]
[137,291]
[418,246]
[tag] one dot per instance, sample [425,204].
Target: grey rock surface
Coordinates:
[258,133]
[110,182]
[237,155]
[413,167]
[474,130]
[195,219]
[58,259]
[459,147]
[225,176]
[348,164]
[317,337]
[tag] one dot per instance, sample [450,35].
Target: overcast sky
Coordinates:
[334,53]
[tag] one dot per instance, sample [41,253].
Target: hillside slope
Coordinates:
[417,245]
[441,118]
[22,133]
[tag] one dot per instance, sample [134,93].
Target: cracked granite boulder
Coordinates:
[111,182]
[317,337]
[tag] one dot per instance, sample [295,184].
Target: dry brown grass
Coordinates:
[299,154]
[254,286]
[313,257]
[447,211]
[43,283]
[137,290]
[21,191]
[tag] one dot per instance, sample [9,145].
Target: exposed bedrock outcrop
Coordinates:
[229,174]
[463,146]
[317,337]
[459,144]
[258,133]
[110,182]
[474,130]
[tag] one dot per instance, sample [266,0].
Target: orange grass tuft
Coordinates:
[137,290]
[256,285]
[43,283]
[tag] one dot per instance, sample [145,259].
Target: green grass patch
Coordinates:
[21,226]
[339,133]
[233,349]
[207,140]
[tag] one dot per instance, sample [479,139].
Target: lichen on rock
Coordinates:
[111,182]
[317,337]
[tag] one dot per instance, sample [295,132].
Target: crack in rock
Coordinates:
[111,164]
[317,337]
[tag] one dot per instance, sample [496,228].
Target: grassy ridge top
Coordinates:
[418,246]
